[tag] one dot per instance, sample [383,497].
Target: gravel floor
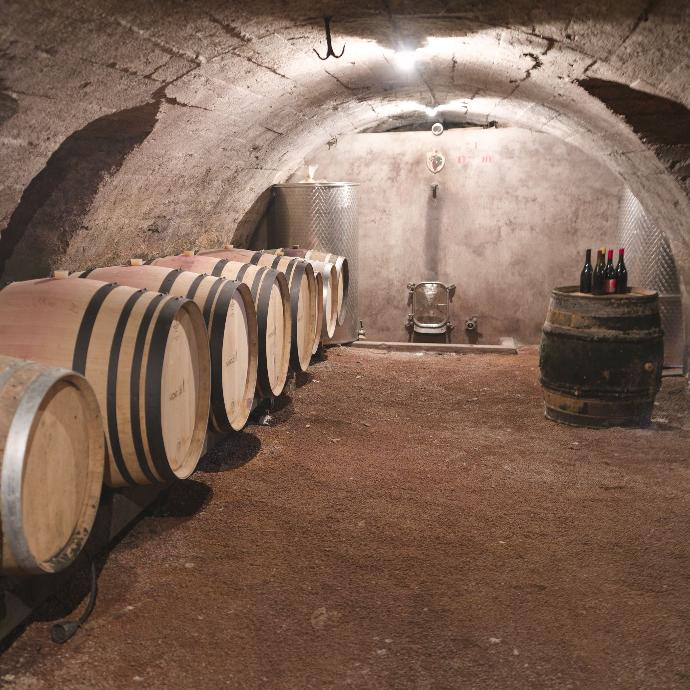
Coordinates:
[406,521]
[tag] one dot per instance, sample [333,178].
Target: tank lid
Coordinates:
[316,183]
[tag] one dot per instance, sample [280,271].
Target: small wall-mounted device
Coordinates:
[471,324]
[430,308]
[437,129]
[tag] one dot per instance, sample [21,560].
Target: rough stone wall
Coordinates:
[206,103]
[514,212]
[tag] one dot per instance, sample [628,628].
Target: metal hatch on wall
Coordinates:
[430,315]
[651,265]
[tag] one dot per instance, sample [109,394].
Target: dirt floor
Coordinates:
[408,521]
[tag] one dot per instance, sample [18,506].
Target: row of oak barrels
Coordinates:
[115,375]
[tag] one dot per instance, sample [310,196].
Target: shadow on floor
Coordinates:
[231,453]
[303,378]
[75,581]
[273,412]
[184,499]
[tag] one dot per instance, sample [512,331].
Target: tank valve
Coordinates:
[471,324]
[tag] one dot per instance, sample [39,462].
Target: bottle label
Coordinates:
[610,286]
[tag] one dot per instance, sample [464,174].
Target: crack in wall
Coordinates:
[266,67]
[641,19]
[589,67]
[538,63]
[118,68]
[503,100]
[171,100]
[230,29]
[550,44]
[162,45]
[352,89]
[149,75]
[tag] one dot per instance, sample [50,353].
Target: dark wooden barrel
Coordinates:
[601,357]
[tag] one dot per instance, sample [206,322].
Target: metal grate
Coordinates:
[321,216]
[650,264]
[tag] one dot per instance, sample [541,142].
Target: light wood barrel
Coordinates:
[270,292]
[303,296]
[51,465]
[230,316]
[319,317]
[146,356]
[330,290]
[329,297]
[341,267]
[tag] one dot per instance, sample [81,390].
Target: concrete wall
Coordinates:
[514,212]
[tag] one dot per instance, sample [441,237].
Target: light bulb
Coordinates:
[405,59]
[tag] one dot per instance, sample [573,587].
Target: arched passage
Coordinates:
[233,110]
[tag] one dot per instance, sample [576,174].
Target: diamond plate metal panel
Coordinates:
[650,264]
[321,216]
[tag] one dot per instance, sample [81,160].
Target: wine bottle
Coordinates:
[586,275]
[610,275]
[598,275]
[621,273]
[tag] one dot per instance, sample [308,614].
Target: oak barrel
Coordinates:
[303,297]
[601,357]
[145,354]
[230,316]
[51,465]
[319,313]
[330,286]
[341,267]
[329,295]
[270,292]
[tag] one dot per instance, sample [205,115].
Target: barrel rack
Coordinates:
[118,511]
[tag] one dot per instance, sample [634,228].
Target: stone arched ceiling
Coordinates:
[133,128]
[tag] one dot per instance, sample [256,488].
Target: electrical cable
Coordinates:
[64,630]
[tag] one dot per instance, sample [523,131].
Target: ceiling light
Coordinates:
[405,59]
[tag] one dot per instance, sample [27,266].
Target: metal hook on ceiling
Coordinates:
[329,42]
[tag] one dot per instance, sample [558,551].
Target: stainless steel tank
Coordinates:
[650,264]
[322,216]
